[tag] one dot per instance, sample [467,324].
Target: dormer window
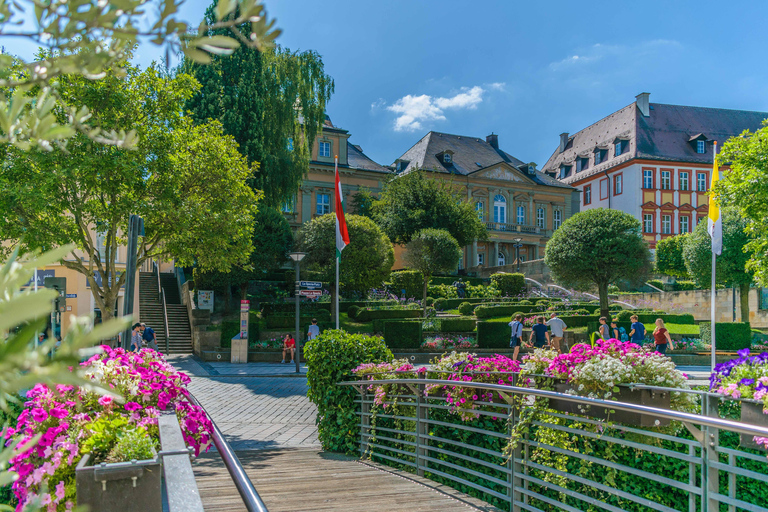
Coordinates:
[401,165]
[582,163]
[600,155]
[324,149]
[699,143]
[620,147]
[701,147]
[447,158]
[565,171]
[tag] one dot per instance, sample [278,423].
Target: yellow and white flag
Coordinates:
[714,218]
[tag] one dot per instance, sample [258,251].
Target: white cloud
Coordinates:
[599,52]
[379,103]
[497,86]
[414,110]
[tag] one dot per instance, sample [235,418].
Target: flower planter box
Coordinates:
[134,486]
[752,413]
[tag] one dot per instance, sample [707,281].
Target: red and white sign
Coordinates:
[245,306]
[312,294]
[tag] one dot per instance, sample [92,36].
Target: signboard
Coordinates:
[311,284]
[69,308]
[71,295]
[245,307]
[205,299]
[41,275]
[312,294]
[97,278]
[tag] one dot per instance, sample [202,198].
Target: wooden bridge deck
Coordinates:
[307,479]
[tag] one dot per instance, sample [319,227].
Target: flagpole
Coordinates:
[338,253]
[713,304]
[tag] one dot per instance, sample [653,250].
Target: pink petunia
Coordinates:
[106,400]
[39,415]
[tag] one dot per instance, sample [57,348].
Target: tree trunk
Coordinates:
[602,291]
[244,290]
[424,295]
[744,295]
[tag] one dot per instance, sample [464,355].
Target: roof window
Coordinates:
[447,158]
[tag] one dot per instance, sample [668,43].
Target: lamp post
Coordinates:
[297,257]
[517,245]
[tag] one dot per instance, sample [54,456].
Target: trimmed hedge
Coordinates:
[402,333]
[509,285]
[366,315]
[493,334]
[449,280]
[729,336]
[352,312]
[466,309]
[412,281]
[280,321]
[506,310]
[272,308]
[461,324]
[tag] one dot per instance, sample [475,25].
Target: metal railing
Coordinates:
[512,228]
[157,273]
[701,471]
[251,498]
[165,317]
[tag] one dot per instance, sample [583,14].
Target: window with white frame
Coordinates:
[557,219]
[647,178]
[618,186]
[666,224]
[647,223]
[665,180]
[101,245]
[324,149]
[480,258]
[499,209]
[323,204]
[683,181]
[521,214]
[701,179]
[480,209]
[684,224]
[502,259]
[288,205]
[701,146]
[618,148]
[588,194]
[541,217]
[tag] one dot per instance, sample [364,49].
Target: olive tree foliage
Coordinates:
[669,256]
[731,269]
[88,38]
[432,251]
[187,182]
[416,201]
[365,262]
[596,248]
[744,188]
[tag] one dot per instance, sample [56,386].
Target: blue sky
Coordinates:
[524,70]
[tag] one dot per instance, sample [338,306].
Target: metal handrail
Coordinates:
[165,316]
[735,426]
[157,273]
[244,486]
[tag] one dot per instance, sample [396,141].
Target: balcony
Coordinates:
[512,228]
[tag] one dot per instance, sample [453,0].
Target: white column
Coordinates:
[658,220]
[495,255]
[676,223]
[473,262]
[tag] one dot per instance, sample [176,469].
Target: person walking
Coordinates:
[540,333]
[661,337]
[517,335]
[605,329]
[637,330]
[557,326]
[289,345]
[149,336]
[135,338]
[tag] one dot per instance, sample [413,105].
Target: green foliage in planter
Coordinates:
[730,336]
[493,334]
[510,285]
[412,281]
[403,334]
[330,359]
[352,311]
[461,324]
[134,444]
[366,315]
[466,309]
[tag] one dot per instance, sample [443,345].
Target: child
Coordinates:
[289,344]
[605,329]
[637,334]
[517,335]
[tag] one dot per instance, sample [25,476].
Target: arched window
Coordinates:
[502,259]
[499,209]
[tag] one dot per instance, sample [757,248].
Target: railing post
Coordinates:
[422,428]
[710,476]
[514,479]
[365,420]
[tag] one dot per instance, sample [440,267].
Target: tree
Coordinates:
[432,251]
[731,264]
[597,247]
[415,201]
[669,256]
[365,263]
[362,203]
[271,101]
[744,189]
[187,182]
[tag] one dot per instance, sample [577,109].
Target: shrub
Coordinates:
[731,336]
[430,301]
[330,359]
[412,281]
[466,309]
[444,291]
[509,285]
[684,285]
[657,283]
[493,335]
[623,316]
[366,315]
[462,324]
[284,321]
[231,328]
[289,308]
[526,302]
[352,311]
[402,334]
[439,304]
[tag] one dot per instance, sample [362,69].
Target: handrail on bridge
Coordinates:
[251,498]
[165,316]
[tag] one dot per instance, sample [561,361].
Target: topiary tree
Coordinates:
[510,285]
[669,256]
[597,247]
[432,251]
[408,280]
[731,264]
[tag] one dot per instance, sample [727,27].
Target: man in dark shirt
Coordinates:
[149,336]
[637,334]
[539,335]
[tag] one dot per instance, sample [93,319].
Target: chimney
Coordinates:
[493,140]
[644,103]
[563,141]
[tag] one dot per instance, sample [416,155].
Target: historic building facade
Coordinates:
[520,205]
[651,160]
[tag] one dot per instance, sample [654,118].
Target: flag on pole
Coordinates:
[342,236]
[714,219]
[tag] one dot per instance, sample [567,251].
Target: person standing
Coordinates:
[135,338]
[605,329]
[661,337]
[314,330]
[517,335]
[637,330]
[540,333]
[149,336]
[557,326]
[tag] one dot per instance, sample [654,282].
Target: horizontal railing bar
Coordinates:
[468,429]
[741,454]
[466,482]
[394,459]
[545,499]
[390,430]
[743,505]
[471,411]
[496,467]
[605,488]
[390,449]
[624,469]
[568,492]
[389,416]
[735,470]
[478,474]
[463,445]
[707,421]
[376,437]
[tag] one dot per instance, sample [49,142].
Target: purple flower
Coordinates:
[747,382]
[133,406]
[58,412]
[743,353]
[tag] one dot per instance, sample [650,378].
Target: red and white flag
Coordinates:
[342,236]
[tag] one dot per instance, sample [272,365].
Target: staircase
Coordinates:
[151,312]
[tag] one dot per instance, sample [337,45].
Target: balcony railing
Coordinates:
[516,228]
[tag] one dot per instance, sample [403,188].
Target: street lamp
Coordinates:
[297,257]
[517,245]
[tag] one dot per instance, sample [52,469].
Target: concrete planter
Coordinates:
[134,486]
[752,413]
